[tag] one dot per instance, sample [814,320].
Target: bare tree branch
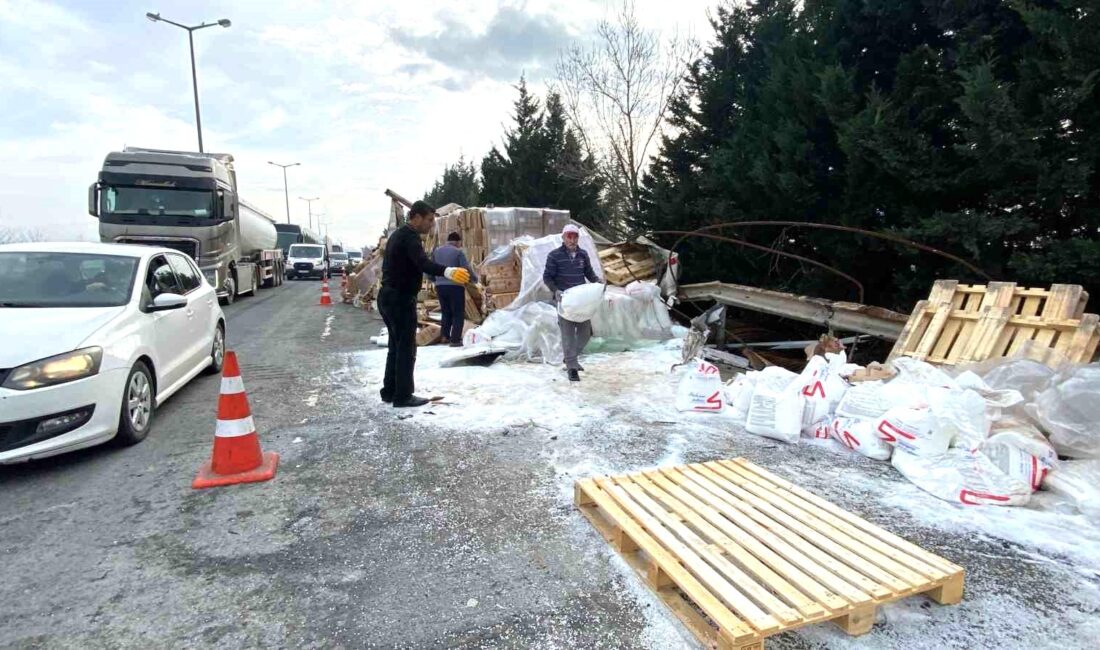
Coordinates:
[617,93]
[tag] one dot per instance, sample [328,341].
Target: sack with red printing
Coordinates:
[823,387]
[914,430]
[1021,451]
[860,436]
[700,389]
[962,476]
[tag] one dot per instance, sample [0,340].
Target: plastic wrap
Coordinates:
[1079,482]
[1024,375]
[1069,411]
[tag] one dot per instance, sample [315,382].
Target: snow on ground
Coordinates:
[1033,574]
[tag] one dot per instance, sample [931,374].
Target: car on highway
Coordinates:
[95,338]
[354,257]
[338,262]
[306,261]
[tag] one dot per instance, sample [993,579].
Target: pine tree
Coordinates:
[459,184]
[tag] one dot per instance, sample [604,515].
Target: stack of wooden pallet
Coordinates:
[470,223]
[625,263]
[739,554]
[961,324]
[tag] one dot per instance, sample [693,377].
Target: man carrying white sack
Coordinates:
[568,267]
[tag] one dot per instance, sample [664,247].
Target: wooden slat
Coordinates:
[877,532]
[695,590]
[781,576]
[895,574]
[740,597]
[1022,333]
[924,570]
[833,591]
[1082,344]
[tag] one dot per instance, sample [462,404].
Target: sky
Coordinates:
[365,95]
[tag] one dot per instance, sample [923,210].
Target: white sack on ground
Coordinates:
[872,399]
[859,436]
[962,476]
[1079,482]
[1069,411]
[823,387]
[700,389]
[775,410]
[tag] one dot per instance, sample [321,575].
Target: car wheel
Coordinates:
[136,415]
[217,351]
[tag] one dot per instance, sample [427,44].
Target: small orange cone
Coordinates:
[237,457]
[326,299]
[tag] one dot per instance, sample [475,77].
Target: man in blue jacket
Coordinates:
[452,295]
[568,267]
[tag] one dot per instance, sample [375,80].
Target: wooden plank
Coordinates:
[935,327]
[761,527]
[668,563]
[857,521]
[926,571]
[985,335]
[912,332]
[1082,345]
[1021,333]
[893,573]
[785,528]
[1061,304]
[747,549]
[740,597]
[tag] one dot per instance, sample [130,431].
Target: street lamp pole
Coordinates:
[224,22]
[309,203]
[286,193]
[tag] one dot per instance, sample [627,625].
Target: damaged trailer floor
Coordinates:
[455,527]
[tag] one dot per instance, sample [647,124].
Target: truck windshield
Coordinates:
[157,201]
[305,250]
[339,256]
[46,279]
[285,239]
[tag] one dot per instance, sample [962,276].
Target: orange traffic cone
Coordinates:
[237,457]
[326,299]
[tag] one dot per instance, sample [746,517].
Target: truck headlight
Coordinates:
[56,370]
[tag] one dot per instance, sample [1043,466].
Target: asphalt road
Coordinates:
[383,532]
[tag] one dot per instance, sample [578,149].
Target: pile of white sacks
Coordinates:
[990,435]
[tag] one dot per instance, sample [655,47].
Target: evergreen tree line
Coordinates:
[973,127]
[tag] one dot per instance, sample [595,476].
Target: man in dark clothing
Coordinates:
[568,267]
[452,296]
[403,268]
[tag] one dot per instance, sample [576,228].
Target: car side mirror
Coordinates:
[167,301]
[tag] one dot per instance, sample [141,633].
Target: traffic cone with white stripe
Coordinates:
[326,299]
[237,457]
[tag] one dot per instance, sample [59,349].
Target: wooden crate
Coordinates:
[739,554]
[625,263]
[962,323]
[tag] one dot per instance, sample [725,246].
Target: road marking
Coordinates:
[328,326]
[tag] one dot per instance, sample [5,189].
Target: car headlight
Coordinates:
[56,370]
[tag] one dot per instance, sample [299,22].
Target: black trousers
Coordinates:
[452,301]
[399,313]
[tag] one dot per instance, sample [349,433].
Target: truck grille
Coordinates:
[190,248]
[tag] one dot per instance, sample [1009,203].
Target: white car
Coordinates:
[94,338]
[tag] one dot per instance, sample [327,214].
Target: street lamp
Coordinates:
[309,203]
[224,22]
[286,194]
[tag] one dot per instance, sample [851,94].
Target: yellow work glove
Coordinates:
[457,274]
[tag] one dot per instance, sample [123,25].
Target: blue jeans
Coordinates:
[452,302]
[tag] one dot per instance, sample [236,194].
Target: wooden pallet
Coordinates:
[739,554]
[625,263]
[966,323]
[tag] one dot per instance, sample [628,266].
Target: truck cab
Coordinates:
[188,202]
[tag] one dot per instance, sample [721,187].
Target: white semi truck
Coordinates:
[190,202]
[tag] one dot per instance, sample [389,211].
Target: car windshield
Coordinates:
[157,201]
[355,256]
[47,279]
[305,251]
[339,256]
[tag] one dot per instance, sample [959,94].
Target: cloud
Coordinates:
[514,41]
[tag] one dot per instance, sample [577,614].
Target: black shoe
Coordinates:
[573,376]
[456,344]
[580,367]
[411,401]
[387,399]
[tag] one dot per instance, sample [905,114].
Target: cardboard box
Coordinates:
[502,300]
[427,334]
[500,285]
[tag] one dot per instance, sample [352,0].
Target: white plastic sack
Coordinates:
[383,338]
[872,399]
[739,394]
[1014,461]
[823,387]
[960,415]
[1078,481]
[580,303]
[700,389]
[860,436]
[1069,411]
[913,430]
[962,476]
[775,410]
[643,290]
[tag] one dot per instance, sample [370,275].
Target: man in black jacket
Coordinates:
[403,269]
